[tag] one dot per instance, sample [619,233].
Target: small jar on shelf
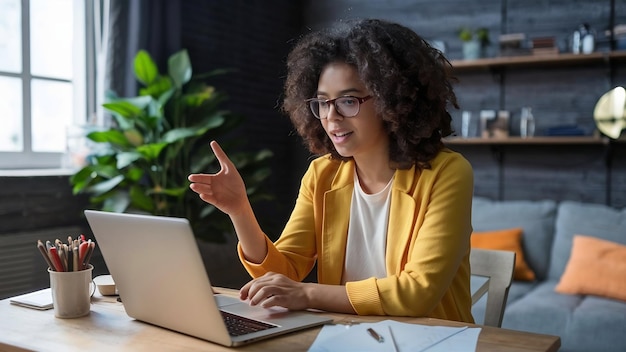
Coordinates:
[527,123]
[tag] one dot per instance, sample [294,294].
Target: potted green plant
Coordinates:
[475,42]
[157,139]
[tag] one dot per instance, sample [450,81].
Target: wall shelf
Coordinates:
[499,147]
[537,60]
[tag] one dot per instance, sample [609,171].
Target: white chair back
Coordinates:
[498,267]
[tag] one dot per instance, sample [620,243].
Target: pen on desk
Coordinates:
[393,340]
[375,335]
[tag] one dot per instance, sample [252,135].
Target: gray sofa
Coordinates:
[584,322]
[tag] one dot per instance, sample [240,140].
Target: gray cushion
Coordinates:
[598,325]
[575,218]
[519,289]
[541,311]
[535,217]
[584,323]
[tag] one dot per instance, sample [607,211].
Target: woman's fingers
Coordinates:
[199,178]
[274,289]
[222,158]
[224,189]
[251,288]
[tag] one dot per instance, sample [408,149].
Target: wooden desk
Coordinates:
[108,328]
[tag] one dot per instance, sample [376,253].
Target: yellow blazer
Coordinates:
[428,239]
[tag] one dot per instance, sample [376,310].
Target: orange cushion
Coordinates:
[506,240]
[595,267]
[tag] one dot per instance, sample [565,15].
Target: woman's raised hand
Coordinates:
[224,189]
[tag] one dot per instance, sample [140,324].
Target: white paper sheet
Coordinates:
[407,337]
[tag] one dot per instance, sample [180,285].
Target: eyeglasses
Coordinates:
[346,106]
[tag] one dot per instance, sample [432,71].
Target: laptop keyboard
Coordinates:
[238,325]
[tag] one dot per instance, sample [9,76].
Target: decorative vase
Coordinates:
[472,50]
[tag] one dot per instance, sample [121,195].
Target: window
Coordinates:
[43,79]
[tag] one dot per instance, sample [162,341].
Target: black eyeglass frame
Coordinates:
[360,100]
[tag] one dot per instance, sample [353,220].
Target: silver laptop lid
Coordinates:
[161,278]
[159,273]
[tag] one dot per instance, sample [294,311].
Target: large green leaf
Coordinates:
[81,174]
[107,157]
[127,158]
[213,121]
[140,102]
[117,202]
[151,151]
[133,136]
[105,170]
[82,178]
[135,174]
[105,186]
[127,108]
[122,108]
[174,192]
[197,99]
[139,199]
[146,70]
[112,136]
[155,108]
[160,85]
[165,96]
[179,68]
[182,133]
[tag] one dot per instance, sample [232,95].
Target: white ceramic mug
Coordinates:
[71,292]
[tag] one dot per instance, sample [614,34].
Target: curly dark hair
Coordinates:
[410,80]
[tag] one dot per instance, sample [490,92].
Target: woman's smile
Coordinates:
[339,137]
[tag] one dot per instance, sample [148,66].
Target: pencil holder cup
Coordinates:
[71,292]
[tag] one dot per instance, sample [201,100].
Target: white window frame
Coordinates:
[83,88]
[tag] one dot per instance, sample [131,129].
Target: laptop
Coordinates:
[161,279]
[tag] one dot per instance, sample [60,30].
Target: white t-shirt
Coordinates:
[367,234]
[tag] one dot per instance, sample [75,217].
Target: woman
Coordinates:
[385,211]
